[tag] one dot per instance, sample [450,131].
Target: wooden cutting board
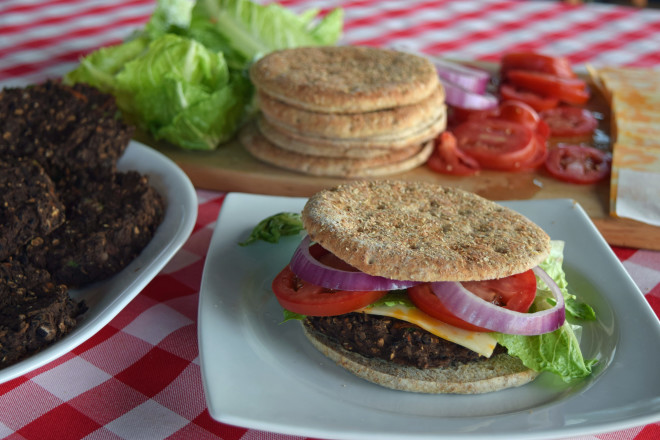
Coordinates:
[231,168]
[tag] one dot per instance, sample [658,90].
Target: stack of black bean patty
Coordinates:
[68,217]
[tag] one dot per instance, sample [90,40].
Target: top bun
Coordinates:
[423,232]
[344,79]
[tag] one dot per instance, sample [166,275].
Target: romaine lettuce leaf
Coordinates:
[275,226]
[557,352]
[100,68]
[393,298]
[553,266]
[245,31]
[173,87]
[169,16]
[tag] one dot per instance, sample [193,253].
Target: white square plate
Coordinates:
[107,298]
[261,373]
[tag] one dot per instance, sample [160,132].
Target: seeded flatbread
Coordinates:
[394,162]
[344,79]
[397,121]
[423,232]
[347,148]
[496,373]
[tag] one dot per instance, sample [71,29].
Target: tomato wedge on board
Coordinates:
[578,164]
[495,143]
[568,90]
[516,292]
[534,100]
[570,121]
[527,60]
[448,159]
[304,298]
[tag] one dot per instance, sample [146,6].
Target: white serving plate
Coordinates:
[261,373]
[107,298]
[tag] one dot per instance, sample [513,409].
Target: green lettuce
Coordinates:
[272,228]
[172,87]
[553,266]
[169,16]
[245,31]
[558,351]
[100,68]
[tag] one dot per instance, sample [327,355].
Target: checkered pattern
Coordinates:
[139,377]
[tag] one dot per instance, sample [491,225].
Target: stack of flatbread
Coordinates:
[345,111]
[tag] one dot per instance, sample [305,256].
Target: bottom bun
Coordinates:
[493,374]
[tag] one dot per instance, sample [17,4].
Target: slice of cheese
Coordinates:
[634,96]
[480,342]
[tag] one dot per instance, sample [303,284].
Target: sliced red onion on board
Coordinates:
[308,268]
[472,80]
[471,308]
[464,86]
[459,97]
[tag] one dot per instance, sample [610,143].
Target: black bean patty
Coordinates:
[393,340]
[34,311]
[64,128]
[29,206]
[107,226]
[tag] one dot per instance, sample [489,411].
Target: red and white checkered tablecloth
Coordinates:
[139,377]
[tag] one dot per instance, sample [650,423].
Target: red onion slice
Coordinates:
[469,78]
[308,268]
[459,97]
[469,307]
[472,80]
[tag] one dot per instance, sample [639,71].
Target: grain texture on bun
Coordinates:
[345,79]
[423,232]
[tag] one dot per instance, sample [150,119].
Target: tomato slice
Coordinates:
[516,292]
[458,115]
[424,299]
[539,157]
[527,60]
[534,100]
[448,159]
[518,111]
[304,298]
[495,143]
[569,90]
[578,164]
[570,121]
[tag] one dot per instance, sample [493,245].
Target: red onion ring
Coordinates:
[469,307]
[473,80]
[308,268]
[459,97]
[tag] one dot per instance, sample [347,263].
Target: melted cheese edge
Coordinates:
[480,342]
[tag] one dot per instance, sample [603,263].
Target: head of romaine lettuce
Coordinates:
[173,87]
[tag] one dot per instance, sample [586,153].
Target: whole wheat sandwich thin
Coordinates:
[425,288]
[373,110]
